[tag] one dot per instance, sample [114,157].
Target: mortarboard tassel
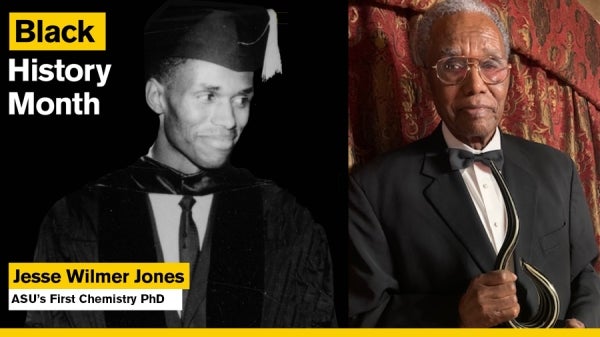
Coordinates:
[272,61]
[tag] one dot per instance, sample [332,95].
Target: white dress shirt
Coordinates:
[167,214]
[484,189]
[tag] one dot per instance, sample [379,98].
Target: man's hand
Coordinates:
[574,323]
[491,299]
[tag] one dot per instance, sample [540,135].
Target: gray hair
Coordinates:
[445,8]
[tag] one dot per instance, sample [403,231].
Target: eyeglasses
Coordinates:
[453,70]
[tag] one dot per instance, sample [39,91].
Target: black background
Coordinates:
[297,134]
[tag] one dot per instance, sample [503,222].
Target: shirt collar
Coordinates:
[454,143]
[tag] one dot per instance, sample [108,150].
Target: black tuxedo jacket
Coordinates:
[416,239]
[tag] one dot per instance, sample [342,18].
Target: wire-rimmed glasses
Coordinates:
[453,69]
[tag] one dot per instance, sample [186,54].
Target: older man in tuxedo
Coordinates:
[425,234]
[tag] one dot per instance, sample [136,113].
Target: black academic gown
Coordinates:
[265,263]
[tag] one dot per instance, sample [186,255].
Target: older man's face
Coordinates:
[471,109]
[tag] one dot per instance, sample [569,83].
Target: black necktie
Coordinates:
[189,244]
[460,159]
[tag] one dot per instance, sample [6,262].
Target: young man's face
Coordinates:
[206,108]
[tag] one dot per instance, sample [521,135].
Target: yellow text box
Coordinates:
[57,31]
[98,275]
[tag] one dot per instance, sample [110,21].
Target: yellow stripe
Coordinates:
[300,332]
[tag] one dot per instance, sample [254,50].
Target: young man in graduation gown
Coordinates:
[257,259]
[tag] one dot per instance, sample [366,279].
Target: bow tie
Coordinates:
[460,159]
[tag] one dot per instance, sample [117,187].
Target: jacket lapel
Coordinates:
[236,278]
[521,184]
[449,196]
[124,235]
[466,224]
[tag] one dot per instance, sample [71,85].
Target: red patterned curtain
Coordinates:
[554,96]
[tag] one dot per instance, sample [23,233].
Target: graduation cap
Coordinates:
[235,36]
